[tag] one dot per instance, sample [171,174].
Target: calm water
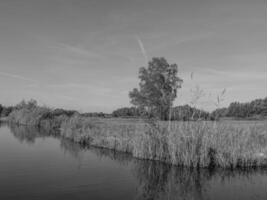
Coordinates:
[36,165]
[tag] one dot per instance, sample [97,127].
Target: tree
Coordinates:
[128,112]
[1,108]
[264,107]
[157,88]
[31,104]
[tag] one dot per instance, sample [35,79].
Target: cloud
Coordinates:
[236,74]
[142,48]
[16,76]
[165,40]
[76,50]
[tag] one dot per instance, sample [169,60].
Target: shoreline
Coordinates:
[133,139]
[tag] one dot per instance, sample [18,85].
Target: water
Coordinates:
[34,164]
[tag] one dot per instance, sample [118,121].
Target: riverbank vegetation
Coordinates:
[29,113]
[194,144]
[227,144]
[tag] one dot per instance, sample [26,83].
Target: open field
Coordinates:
[227,144]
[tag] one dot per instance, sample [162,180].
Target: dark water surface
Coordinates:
[34,164]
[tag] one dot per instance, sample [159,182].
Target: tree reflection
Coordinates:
[28,134]
[160,181]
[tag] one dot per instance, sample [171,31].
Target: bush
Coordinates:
[29,113]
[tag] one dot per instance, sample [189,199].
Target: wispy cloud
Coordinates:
[237,75]
[172,40]
[16,76]
[77,50]
[142,48]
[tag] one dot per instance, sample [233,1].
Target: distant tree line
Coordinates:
[184,113]
[96,114]
[187,113]
[129,112]
[254,109]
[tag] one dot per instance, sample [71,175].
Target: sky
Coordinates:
[85,54]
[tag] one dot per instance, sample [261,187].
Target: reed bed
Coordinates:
[192,144]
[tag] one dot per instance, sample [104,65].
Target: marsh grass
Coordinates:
[225,144]
[193,144]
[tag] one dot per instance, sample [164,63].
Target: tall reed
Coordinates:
[193,144]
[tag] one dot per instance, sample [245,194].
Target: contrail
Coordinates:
[17,77]
[142,48]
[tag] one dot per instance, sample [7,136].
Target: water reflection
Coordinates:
[159,181]
[28,134]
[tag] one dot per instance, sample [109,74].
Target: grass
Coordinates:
[193,144]
[223,144]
